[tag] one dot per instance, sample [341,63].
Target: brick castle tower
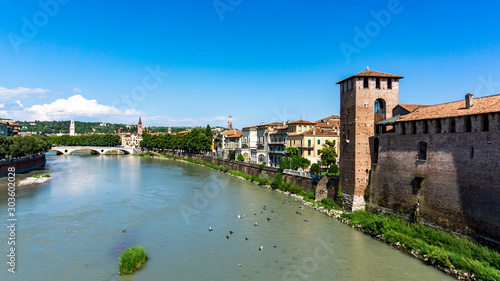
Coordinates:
[365,99]
[139,127]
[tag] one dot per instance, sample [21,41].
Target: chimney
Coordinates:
[314,130]
[468,100]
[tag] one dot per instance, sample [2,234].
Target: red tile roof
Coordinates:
[371,73]
[237,134]
[301,122]
[319,133]
[481,105]
[412,107]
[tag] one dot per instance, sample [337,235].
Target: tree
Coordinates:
[241,158]
[334,169]
[208,131]
[277,181]
[315,168]
[328,154]
[232,155]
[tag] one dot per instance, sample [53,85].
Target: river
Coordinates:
[75,226]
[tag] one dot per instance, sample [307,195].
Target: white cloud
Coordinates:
[20,104]
[77,90]
[20,92]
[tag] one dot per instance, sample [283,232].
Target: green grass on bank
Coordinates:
[447,249]
[132,259]
[41,176]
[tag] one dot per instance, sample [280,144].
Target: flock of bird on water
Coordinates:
[261,248]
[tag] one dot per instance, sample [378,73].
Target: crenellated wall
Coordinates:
[457,185]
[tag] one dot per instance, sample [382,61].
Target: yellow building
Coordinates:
[309,140]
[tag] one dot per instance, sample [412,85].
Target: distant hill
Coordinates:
[55,127]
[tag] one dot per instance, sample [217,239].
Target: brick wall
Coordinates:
[460,179]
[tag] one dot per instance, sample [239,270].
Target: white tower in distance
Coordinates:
[72,128]
[230,123]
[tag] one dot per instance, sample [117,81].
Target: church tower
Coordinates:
[139,127]
[365,99]
[72,127]
[169,130]
[230,123]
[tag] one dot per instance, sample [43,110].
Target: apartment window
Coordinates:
[413,127]
[377,83]
[422,151]
[426,127]
[300,128]
[468,123]
[334,141]
[309,152]
[319,152]
[389,83]
[319,141]
[365,82]
[293,142]
[438,126]
[403,129]
[453,126]
[308,143]
[485,122]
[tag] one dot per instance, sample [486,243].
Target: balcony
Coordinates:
[277,152]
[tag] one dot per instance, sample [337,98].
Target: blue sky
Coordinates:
[189,62]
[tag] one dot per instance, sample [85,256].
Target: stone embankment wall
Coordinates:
[249,169]
[22,165]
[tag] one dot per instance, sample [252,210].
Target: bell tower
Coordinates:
[230,123]
[365,99]
[139,127]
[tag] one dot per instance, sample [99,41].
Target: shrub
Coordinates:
[309,196]
[261,166]
[277,181]
[264,178]
[241,158]
[328,203]
[225,169]
[232,155]
[334,169]
[315,168]
[132,259]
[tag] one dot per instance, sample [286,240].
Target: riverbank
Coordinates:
[457,256]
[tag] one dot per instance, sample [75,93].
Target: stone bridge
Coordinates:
[66,150]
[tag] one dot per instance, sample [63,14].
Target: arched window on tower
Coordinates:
[379,110]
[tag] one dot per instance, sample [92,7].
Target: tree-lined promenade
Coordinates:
[15,147]
[86,140]
[195,141]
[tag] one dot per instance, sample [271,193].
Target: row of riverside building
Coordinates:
[266,143]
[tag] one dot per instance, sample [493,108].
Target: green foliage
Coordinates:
[225,169]
[329,203]
[293,162]
[41,176]
[366,195]
[334,169]
[292,188]
[240,157]
[192,142]
[448,249]
[309,196]
[232,155]
[340,197]
[54,127]
[261,166]
[292,150]
[264,178]
[23,146]
[277,181]
[315,168]
[132,259]
[208,132]
[328,154]
[86,140]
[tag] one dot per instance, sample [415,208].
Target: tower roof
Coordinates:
[371,73]
[140,121]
